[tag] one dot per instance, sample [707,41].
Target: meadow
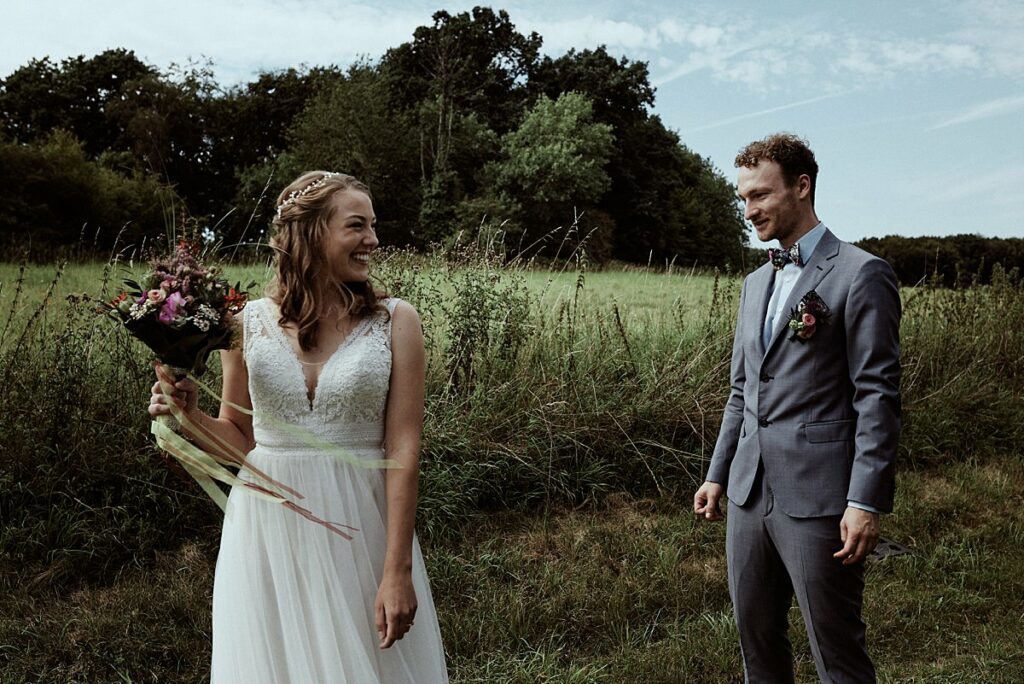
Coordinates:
[570,415]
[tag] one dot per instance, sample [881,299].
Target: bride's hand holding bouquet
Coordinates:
[183,311]
[168,389]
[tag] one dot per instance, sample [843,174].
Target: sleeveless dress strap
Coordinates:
[247,325]
[392,304]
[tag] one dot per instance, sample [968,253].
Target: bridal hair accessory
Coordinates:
[808,314]
[780,257]
[294,195]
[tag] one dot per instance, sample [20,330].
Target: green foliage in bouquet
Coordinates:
[182,310]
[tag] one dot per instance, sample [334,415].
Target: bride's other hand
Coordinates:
[184,393]
[395,608]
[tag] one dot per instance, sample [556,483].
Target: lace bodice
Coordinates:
[351,393]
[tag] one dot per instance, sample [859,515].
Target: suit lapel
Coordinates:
[822,261]
[760,283]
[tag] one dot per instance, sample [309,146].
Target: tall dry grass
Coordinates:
[546,390]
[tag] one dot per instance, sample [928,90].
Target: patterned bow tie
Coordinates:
[781,257]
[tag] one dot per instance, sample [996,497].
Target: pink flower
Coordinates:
[808,320]
[156,296]
[170,308]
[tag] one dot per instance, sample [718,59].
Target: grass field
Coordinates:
[570,415]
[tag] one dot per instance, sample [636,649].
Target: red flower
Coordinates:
[234,300]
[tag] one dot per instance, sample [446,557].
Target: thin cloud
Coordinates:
[997,187]
[240,38]
[985,110]
[998,27]
[589,31]
[764,57]
[763,112]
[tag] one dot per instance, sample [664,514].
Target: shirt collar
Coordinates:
[809,242]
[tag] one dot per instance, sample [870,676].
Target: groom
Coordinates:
[808,438]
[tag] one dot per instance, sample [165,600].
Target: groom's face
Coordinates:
[770,204]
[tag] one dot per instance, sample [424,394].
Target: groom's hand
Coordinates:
[707,501]
[859,532]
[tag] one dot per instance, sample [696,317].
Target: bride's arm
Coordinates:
[396,599]
[231,426]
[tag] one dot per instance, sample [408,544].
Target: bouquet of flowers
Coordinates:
[182,310]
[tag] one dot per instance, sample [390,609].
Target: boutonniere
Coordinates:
[811,312]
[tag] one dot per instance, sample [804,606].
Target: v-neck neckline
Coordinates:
[313,394]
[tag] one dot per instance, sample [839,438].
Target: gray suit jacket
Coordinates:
[823,414]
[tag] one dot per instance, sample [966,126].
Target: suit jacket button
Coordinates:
[764,422]
[765,377]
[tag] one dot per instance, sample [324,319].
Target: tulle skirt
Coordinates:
[293,603]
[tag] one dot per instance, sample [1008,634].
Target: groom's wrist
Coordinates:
[862,506]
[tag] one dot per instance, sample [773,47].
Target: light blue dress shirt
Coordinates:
[782,285]
[784,280]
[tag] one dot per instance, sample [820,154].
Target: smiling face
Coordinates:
[777,210]
[351,236]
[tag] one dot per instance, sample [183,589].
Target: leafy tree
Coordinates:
[54,195]
[664,201]
[89,86]
[557,154]
[167,124]
[248,128]
[618,89]
[473,61]
[75,96]
[473,146]
[553,164]
[250,123]
[349,127]
[471,64]
[668,202]
[30,102]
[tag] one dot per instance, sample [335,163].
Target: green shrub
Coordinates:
[72,204]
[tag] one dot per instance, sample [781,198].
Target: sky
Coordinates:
[915,111]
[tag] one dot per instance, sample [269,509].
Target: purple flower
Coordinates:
[170,308]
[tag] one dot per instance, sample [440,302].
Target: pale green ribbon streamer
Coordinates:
[302,433]
[205,467]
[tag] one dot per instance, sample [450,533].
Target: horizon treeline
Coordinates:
[465,129]
[955,260]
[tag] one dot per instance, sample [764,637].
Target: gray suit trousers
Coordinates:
[769,553]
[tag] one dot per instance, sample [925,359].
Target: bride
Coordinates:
[326,353]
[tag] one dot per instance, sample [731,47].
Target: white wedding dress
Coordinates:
[293,603]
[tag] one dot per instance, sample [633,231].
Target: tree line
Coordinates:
[948,261]
[464,130]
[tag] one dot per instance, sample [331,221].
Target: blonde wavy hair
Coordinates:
[302,277]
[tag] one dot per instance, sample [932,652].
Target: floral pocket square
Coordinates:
[811,312]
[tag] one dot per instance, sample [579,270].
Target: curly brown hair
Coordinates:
[302,279]
[789,151]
